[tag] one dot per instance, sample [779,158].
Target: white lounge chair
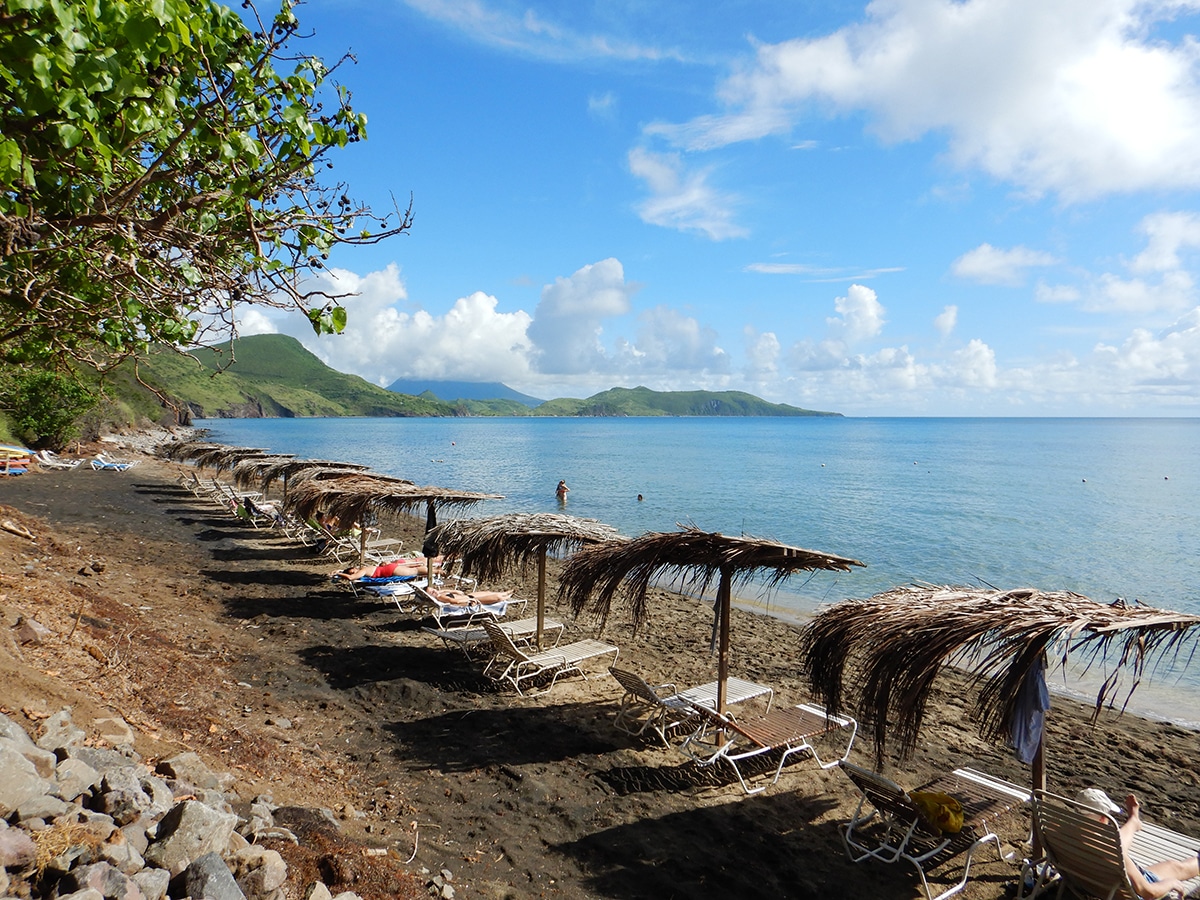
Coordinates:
[522,632]
[1083,851]
[888,826]
[116,461]
[513,665]
[50,460]
[662,709]
[457,614]
[105,465]
[786,731]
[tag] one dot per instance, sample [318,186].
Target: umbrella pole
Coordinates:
[541,608]
[723,601]
[1039,784]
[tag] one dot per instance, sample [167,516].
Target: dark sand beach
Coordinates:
[206,634]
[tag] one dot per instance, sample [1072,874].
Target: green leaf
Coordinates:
[69,135]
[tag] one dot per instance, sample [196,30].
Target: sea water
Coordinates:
[1104,507]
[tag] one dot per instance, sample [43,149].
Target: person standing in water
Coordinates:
[561,491]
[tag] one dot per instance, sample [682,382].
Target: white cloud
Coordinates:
[1167,234]
[945,321]
[991,265]
[1077,97]
[762,355]
[1056,293]
[975,365]
[472,341]
[518,29]
[818,274]
[602,106]
[1174,292]
[1157,280]
[1148,372]
[788,269]
[568,322]
[862,315]
[252,320]
[682,200]
[670,341]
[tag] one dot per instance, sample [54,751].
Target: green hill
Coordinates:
[274,376]
[641,401]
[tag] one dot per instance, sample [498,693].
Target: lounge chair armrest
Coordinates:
[841,721]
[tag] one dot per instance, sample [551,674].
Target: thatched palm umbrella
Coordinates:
[355,497]
[228,457]
[698,557]
[183,451]
[489,547]
[206,454]
[898,641]
[290,468]
[248,472]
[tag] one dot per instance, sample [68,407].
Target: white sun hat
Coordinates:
[1096,799]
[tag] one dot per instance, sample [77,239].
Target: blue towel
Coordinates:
[1029,717]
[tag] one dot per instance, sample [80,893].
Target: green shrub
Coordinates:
[45,407]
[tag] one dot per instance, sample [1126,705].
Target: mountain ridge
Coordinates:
[274,376]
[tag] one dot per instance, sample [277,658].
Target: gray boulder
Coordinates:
[121,795]
[258,871]
[317,891]
[153,882]
[43,806]
[111,883]
[188,831]
[103,761]
[19,781]
[190,768]
[59,732]
[17,848]
[10,730]
[74,778]
[85,894]
[210,878]
[44,762]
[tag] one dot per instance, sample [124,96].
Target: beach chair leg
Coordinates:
[957,886]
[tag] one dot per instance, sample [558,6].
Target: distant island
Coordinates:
[462,390]
[273,376]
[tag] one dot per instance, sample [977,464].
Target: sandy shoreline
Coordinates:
[536,797]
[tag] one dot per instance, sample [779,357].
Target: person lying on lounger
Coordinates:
[1153,881]
[400,568]
[456,597]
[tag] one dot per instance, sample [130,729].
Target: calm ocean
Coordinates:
[1105,507]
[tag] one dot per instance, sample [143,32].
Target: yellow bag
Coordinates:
[940,810]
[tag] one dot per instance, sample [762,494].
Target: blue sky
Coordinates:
[911,207]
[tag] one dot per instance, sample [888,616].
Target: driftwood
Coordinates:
[19,530]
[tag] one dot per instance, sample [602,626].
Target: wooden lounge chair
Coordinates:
[1083,851]
[661,709]
[513,665]
[787,731]
[888,826]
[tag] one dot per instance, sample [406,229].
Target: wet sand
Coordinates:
[206,634]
